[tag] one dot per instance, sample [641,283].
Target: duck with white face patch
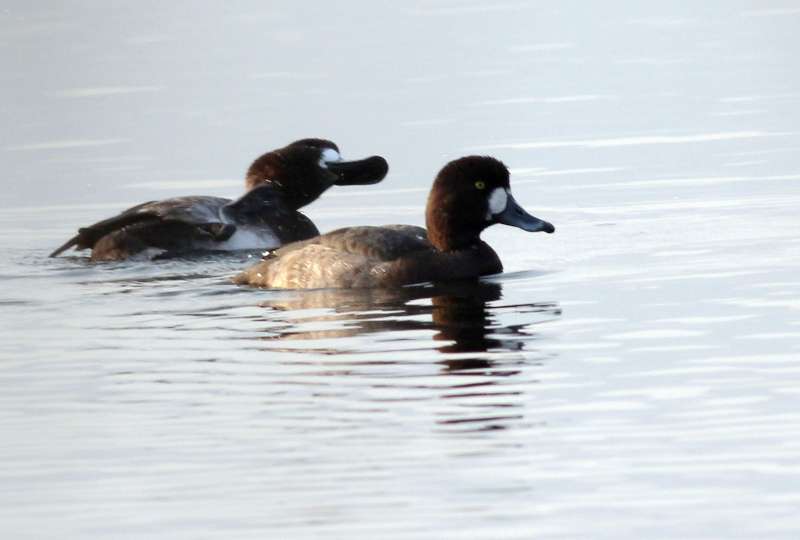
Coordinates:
[468,195]
[279,183]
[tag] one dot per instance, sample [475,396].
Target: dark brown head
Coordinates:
[468,195]
[303,170]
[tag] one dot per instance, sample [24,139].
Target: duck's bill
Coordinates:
[362,172]
[516,216]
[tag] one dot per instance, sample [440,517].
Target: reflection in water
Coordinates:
[462,314]
[464,330]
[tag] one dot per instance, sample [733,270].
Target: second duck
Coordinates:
[279,183]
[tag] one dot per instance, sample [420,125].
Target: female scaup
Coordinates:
[468,195]
[279,183]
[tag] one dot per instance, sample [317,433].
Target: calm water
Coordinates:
[635,375]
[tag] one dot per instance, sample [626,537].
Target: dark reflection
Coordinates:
[390,339]
[463,316]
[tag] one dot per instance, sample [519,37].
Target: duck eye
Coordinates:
[480,184]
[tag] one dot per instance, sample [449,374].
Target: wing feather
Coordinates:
[200,212]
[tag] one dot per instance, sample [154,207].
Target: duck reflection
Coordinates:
[463,317]
[389,340]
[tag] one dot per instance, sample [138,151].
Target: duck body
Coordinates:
[265,217]
[359,257]
[257,220]
[468,195]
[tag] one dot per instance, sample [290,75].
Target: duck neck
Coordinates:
[254,201]
[449,233]
[294,199]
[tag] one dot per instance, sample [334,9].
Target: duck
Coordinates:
[278,184]
[468,195]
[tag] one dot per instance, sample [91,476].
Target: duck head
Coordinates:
[304,169]
[470,194]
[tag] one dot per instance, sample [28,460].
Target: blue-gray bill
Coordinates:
[516,216]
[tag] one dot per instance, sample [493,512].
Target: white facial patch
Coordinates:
[329,155]
[498,200]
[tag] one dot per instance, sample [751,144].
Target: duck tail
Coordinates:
[68,244]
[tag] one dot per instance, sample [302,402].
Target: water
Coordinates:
[634,375]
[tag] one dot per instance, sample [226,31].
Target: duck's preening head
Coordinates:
[470,194]
[304,169]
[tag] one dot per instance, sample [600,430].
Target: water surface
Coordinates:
[634,375]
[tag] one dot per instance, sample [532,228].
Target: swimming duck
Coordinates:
[265,217]
[468,195]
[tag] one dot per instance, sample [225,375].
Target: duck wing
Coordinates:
[199,212]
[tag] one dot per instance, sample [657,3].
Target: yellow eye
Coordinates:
[480,184]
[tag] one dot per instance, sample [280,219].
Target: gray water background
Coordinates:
[634,375]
